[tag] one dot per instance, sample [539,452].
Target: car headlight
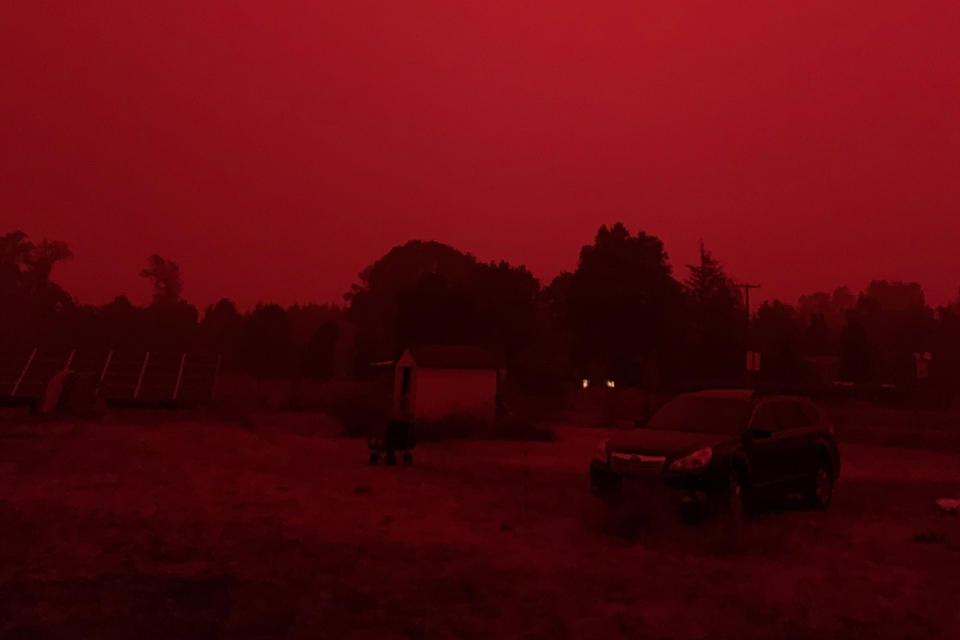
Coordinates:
[601,452]
[696,460]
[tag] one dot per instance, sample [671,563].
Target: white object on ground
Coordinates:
[51,398]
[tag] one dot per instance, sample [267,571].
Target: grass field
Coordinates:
[177,528]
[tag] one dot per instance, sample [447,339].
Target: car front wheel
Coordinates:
[819,491]
[736,498]
[732,500]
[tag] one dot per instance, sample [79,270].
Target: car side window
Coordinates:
[764,418]
[790,415]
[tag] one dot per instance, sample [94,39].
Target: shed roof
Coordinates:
[454,356]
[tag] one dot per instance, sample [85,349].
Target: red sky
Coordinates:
[275,148]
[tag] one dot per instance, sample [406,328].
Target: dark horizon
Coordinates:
[141,291]
[65,274]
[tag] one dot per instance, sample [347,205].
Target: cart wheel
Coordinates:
[374,457]
[408,458]
[391,458]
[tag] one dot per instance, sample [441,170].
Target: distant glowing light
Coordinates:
[610,384]
[585,383]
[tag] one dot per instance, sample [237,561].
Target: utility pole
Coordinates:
[746,298]
[753,358]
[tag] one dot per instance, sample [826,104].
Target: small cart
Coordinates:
[398,437]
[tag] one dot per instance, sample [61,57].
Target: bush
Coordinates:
[362,409]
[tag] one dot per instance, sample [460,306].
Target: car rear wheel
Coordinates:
[819,491]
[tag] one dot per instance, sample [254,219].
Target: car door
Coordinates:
[761,445]
[794,439]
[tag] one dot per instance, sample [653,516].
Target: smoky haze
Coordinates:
[273,150]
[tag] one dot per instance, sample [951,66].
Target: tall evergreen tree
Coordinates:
[717,321]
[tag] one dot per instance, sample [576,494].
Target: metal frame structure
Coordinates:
[146,366]
[23,372]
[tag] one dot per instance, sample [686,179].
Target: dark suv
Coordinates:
[724,447]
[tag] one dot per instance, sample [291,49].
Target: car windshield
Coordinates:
[703,414]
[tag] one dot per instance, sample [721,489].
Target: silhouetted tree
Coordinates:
[427,292]
[544,365]
[41,259]
[817,337]
[311,326]
[505,306]
[34,307]
[221,331]
[824,316]
[266,343]
[171,321]
[306,319]
[856,352]
[896,296]
[623,306]
[898,323]
[373,304]
[320,351]
[165,276]
[717,321]
[777,331]
[15,251]
[123,323]
[434,310]
[945,367]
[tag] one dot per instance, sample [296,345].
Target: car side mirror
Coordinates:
[759,434]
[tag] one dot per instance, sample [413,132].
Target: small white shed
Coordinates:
[436,381]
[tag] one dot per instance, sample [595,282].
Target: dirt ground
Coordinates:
[174,528]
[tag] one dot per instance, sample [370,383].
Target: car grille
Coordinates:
[636,463]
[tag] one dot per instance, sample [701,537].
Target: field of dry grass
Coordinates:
[157,527]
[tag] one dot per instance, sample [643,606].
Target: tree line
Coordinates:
[622,314]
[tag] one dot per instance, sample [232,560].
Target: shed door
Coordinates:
[406,377]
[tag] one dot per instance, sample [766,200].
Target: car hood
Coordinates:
[663,443]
